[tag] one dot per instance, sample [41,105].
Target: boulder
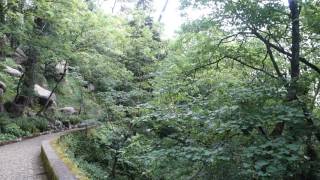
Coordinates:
[43,93]
[13,72]
[31,114]
[19,56]
[91,87]
[68,110]
[60,67]
[3,86]
[58,124]
[4,41]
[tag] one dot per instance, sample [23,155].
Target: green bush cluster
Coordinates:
[15,130]
[7,137]
[101,153]
[33,124]
[19,127]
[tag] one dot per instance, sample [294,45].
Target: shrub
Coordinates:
[3,121]
[33,124]
[14,129]
[7,137]
[27,125]
[75,119]
[92,170]
[41,124]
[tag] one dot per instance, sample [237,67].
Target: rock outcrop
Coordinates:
[60,67]
[43,93]
[3,86]
[68,110]
[90,87]
[13,72]
[1,92]
[19,56]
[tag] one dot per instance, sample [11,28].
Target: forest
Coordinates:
[234,95]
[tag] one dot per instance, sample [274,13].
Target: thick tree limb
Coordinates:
[283,51]
[163,10]
[312,66]
[114,5]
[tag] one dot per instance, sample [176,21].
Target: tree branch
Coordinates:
[114,5]
[312,66]
[252,67]
[283,51]
[204,65]
[274,63]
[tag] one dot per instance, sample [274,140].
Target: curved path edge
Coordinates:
[55,167]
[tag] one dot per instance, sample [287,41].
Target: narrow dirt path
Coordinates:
[21,161]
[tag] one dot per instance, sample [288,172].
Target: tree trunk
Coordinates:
[114,5]
[163,10]
[295,48]
[294,61]
[28,81]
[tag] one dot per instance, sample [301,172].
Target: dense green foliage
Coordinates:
[234,96]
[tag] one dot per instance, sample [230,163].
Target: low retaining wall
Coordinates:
[53,165]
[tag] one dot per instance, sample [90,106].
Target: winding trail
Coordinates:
[21,161]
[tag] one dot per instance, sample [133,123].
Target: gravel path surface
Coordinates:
[21,161]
